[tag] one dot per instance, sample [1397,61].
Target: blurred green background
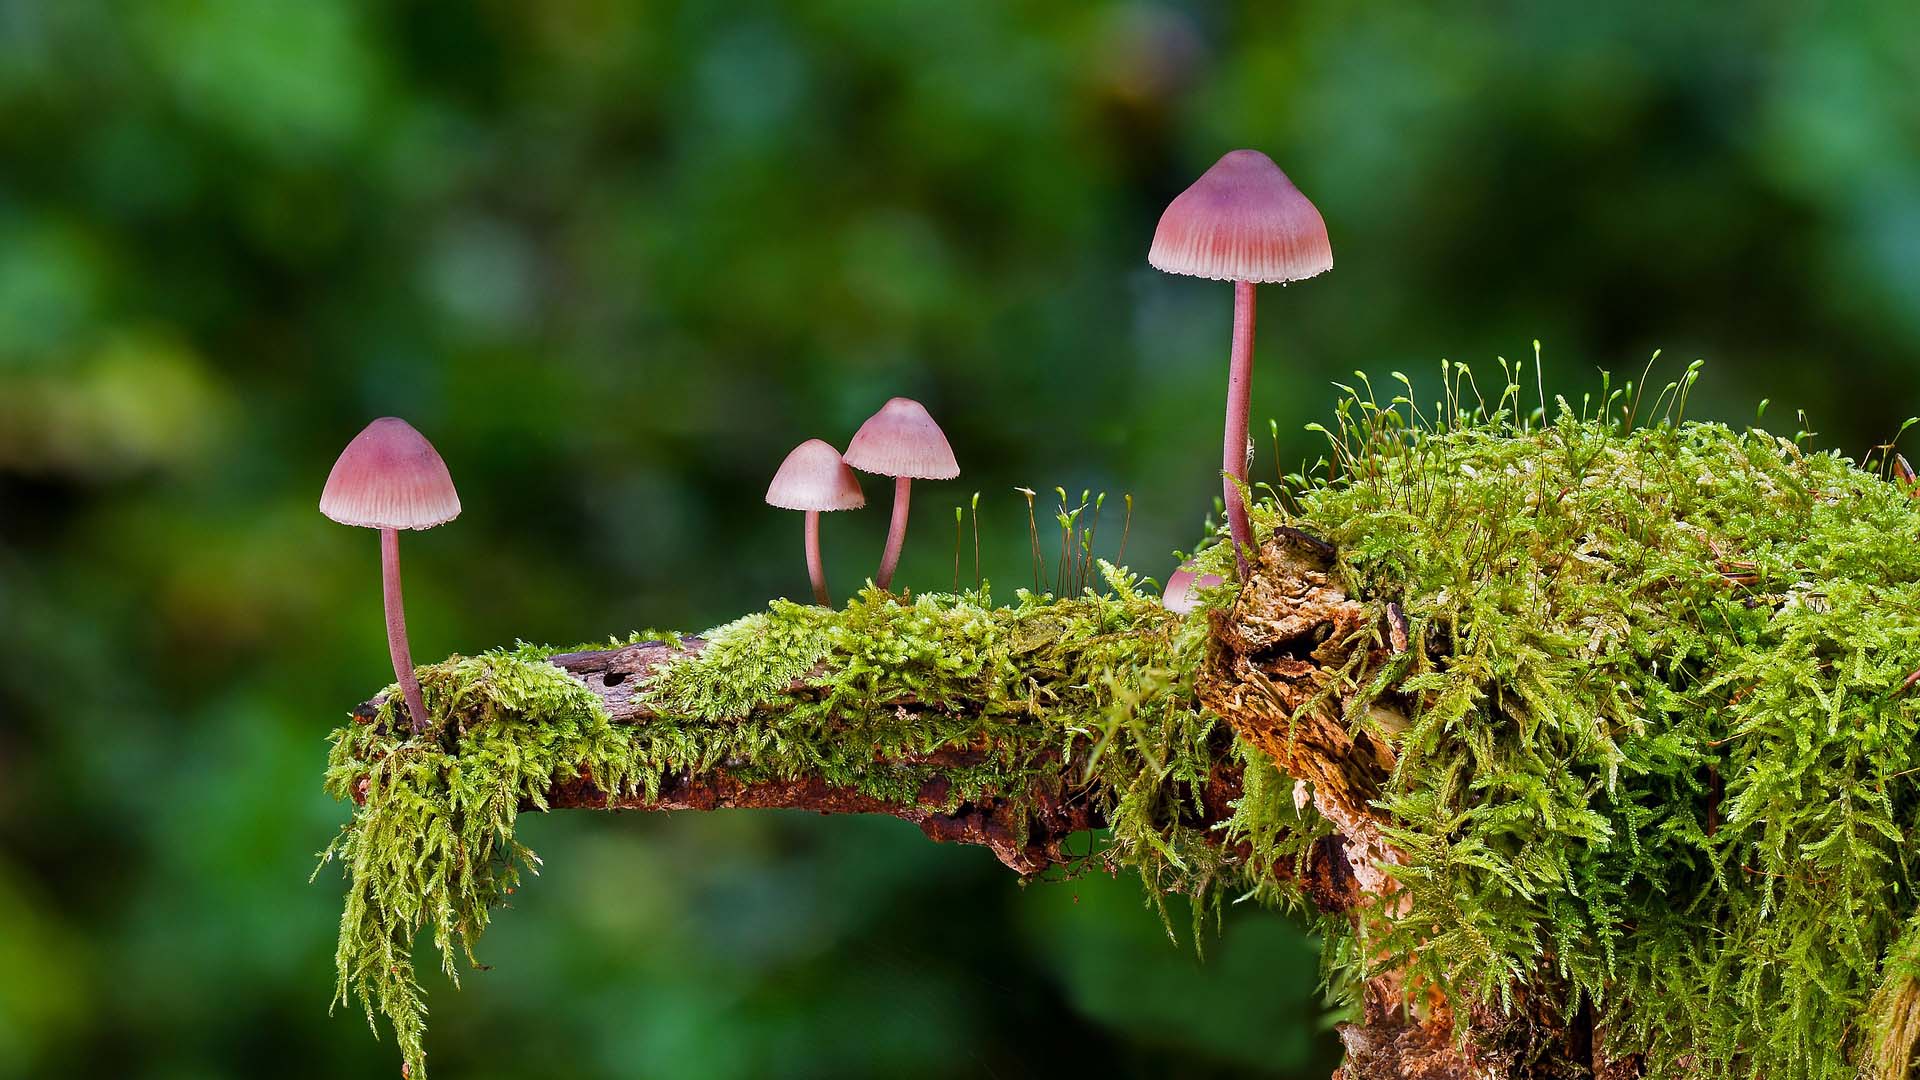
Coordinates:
[615,259]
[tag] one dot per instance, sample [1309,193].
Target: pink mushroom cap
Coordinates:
[902,440]
[390,477]
[815,478]
[1243,220]
[1182,593]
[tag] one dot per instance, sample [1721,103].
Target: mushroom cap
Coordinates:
[390,477]
[814,478]
[902,440]
[1182,593]
[1243,220]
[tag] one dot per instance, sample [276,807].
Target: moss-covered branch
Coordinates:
[1014,727]
[1611,725]
[1018,797]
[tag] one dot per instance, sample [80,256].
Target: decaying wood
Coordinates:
[1274,674]
[993,824]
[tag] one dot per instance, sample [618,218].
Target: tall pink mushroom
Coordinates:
[391,478]
[1243,221]
[815,479]
[903,442]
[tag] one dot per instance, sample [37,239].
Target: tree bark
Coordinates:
[1273,673]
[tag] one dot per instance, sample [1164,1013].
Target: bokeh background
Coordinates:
[615,259]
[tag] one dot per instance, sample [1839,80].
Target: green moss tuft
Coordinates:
[432,842]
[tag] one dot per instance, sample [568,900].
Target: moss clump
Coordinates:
[431,843]
[1662,757]
[1095,689]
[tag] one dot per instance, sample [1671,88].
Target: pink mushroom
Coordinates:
[1182,593]
[391,478]
[903,442]
[1243,221]
[815,479]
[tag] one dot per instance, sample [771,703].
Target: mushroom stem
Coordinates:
[397,629]
[816,568]
[1233,455]
[896,532]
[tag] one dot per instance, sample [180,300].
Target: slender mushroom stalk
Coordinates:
[1243,221]
[814,479]
[903,442]
[397,628]
[1233,452]
[896,531]
[391,478]
[816,567]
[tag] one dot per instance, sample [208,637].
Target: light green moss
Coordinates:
[1660,756]
[432,843]
[1607,623]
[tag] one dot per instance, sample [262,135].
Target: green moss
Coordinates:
[1096,688]
[1660,755]
[432,843]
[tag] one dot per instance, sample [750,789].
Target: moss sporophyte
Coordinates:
[1648,743]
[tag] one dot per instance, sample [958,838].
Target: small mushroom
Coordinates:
[391,478]
[815,479]
[1182,593]
[1243,221]
[903,442]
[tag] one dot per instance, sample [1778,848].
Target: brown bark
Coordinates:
[1051,819]
[1274,674]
